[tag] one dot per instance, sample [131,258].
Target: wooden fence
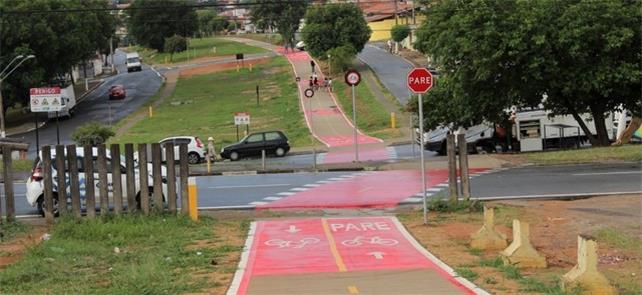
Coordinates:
[136,194]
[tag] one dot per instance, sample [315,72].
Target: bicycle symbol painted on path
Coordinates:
[292,244]
[376,240]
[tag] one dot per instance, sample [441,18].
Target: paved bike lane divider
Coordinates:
[341,256]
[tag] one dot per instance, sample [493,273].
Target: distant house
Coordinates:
[381,18]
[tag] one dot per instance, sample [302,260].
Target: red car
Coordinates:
[117,92]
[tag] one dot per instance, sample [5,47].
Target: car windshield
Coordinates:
[132,59]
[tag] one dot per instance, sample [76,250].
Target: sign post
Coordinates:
[46,99]
[353,78]
[420,81]
[241,119]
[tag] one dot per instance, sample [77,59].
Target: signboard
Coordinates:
[46,99]
[309,93]
[352,77]
[419,80]
[241,119]
[239,56]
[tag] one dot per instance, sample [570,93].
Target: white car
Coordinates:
[35,183]
[196,150]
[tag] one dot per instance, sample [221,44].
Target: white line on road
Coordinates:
[272,198]
[442,185]
[312,185]
[299,189]
[248,186]
[556,196]
[608,173]
[258,203]
[324,181]
[286,194]
[434,189]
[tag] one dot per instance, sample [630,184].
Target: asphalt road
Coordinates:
[525,182]
[96,106]
[391,70]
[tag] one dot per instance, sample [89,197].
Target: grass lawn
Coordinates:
[372,117]
[200,47]
[629,152]
[156,255]
[267,38]
[208,103]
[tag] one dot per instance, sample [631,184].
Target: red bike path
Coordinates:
[341,256]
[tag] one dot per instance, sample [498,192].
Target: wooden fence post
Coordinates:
[130,179]
[143,197]
[7,175]
[157,177]
[74,183]
[117,181]
[90,191]
[171,177]
[463,166]
[102,180]
[48,181]
[61,179]
[184,174]
[452,167]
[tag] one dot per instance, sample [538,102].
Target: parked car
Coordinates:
[196,150]
[35,183]
[117,92]
[273,142]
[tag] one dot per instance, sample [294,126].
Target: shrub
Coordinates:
[92,133]
[399,32]
[341,57]
[175,44]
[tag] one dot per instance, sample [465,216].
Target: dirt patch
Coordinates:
[554,227]
[11,251]
[207,69]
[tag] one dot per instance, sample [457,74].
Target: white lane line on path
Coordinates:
[249,185]
[324,181]
[258,203]
[413,200]
[245,255]
[470,286]
[272,198]
[299,189]
[312,185]
[286,194]
[608,173]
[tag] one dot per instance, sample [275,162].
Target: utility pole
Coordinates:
[111,51]
[396,14]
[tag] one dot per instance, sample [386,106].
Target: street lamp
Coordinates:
[4,76]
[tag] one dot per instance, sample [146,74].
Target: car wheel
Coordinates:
[150,199]
[234,156]
[193,158]
[41,205]
[280,152]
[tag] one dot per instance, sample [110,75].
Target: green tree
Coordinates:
[342,57]
[151,21]
[58,40]
[332,26]
[92,133]
[399,32]
[284,16]
[582,55]
[175,44]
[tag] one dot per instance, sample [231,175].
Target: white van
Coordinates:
[134,62]
[35,183]
[68,100]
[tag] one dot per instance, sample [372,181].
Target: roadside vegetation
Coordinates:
[629,153]
[129,255]
[19,165]
[372,117]
[204,106]
[196,48]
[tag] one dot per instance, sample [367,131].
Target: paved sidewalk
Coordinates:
[327,122]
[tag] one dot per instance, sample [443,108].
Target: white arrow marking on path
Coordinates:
[293,229]
[377,255]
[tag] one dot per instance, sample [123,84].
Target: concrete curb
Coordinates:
[278,171]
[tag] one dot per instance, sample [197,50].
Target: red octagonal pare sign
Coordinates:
[419,80]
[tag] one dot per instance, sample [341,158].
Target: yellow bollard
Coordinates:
[238,68]
[192,196]
[151,112]
[209,164]
[393,120]
[250,67]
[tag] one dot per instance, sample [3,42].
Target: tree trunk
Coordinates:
[600,126]
[635,124]
[592,139]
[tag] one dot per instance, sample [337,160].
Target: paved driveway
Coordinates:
[391,70]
